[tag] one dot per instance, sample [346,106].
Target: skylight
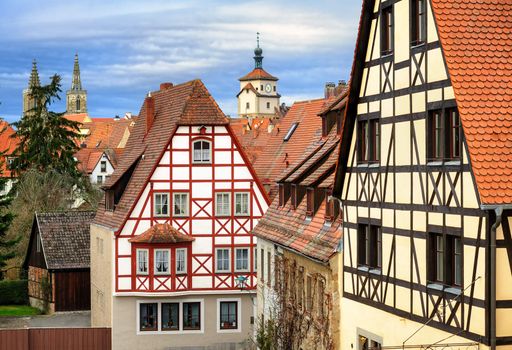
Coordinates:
[291,131]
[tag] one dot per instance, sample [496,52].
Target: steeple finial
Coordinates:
[34,76]
[258,52]
[76,83]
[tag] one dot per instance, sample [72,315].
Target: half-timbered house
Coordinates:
[425,177]
[175,254]
[299,243]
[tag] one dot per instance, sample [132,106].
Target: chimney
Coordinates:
[150,112]
[329,89]
[165,86]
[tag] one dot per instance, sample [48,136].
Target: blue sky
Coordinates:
[127,48]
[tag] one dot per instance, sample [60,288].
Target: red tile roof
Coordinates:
[476,39]
[254,137]
[258,74]
[88,158]
[278,154]
[162,233]
[8,145]
[184,104]
[290,227]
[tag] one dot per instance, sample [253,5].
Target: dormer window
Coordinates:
[202,151]
[294,196]
[281,195]
[331,207]
[310,202]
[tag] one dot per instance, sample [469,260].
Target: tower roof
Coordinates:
[76,83]
[34,76]
[258,53]
[258,72]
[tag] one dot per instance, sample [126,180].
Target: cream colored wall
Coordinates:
[392,330]
[266,297]
[124,335]
[101,276]
[503,285]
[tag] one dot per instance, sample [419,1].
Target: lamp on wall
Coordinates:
[241,282]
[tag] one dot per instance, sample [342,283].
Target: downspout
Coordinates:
[492,246]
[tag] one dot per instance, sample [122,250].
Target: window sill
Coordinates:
[308,218]
[142,274]
[453,290]
[376,271]
[161,216]
[435,286]
[182,216]
[417,44]
[363,268]
[452,162]
[328,223]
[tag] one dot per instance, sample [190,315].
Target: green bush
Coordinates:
[14,292]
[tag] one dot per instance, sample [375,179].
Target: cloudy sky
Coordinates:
[128,47]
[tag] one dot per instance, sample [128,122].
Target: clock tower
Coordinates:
[76,98]
[258,97]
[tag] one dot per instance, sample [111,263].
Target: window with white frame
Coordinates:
[142,261]
[162,259]
[222,204]
[180,204]
[228,315]
[99,179]
[181,260]
[103,166]
[170,316]
[242,259]
[161,207]
[242,203]
[148,317]
[202,151]
[222,259]
[191,316]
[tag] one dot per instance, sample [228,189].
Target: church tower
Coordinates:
[28,100]
[258,97]
[76,98]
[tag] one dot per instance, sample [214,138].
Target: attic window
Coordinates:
[202,151]
[310,202]
[291,131]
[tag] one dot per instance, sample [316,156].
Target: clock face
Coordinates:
[268,88]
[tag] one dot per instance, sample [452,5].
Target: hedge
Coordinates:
[14,292]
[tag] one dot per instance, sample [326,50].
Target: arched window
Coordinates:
[78,103]
[202,151]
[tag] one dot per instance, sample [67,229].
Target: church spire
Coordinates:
[258,52]
[34,76]
[76,84]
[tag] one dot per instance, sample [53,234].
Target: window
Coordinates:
[162,259]
[202,152]
[300,288]
[269,259]
[161,204]
[445,260]
[290,131]
[10,162]
[228,315]
[310,202]
[419,22]
[78,103]
[320,302]
[255,259]
[268,105]
[99,179]
[191,316]
[38,244]
[247,104]
[170,316]
[241,259]
[262,270]
[181,260]
[281,195]
[222,204]
[309,293]
[369,246]
[222,260]
[444,130]
[103,166]
[366,343]
[180,204]
[293,199]
[142,261]
[275,88]
[368,134]
[386,38]
[261,87]
[148,314]
[330,208]
[242,203]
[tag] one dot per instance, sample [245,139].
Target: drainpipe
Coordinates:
[492,329]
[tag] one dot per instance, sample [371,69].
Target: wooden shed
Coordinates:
[58,261]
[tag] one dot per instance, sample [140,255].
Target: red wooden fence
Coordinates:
[56,339]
